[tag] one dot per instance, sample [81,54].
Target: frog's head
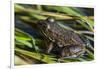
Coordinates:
[45,24]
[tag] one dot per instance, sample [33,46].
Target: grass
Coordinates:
[28,44]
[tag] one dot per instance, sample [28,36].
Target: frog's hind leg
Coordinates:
[72,51]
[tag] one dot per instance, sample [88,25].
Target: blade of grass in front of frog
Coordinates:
[18,43]
[63,9]
[30,12]
[35,46]
[90,54]
[73,60]
[26,43]
[69,28]
[19,61]
[30,44]
[22,38]
[84,24]
[20,35]
[19,32]
[27,19]
[42,57]
[31,22]
[79,13]
[86,32]
[84,19]
[79,32]
[89,45]
[89,22]
[86,58]
[37,16]
[66,27]
[25,58]
[18,8]
[89,37]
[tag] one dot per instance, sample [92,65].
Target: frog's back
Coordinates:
[62,35]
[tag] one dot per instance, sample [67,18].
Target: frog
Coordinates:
[69,42]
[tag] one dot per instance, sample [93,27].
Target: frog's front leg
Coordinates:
[49,47]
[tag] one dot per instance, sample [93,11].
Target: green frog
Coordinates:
[70,43]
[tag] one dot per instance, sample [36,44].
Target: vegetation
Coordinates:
[28,42]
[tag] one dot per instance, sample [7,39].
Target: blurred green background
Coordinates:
[28,42]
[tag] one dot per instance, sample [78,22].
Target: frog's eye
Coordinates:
[42,23]
[50,19]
